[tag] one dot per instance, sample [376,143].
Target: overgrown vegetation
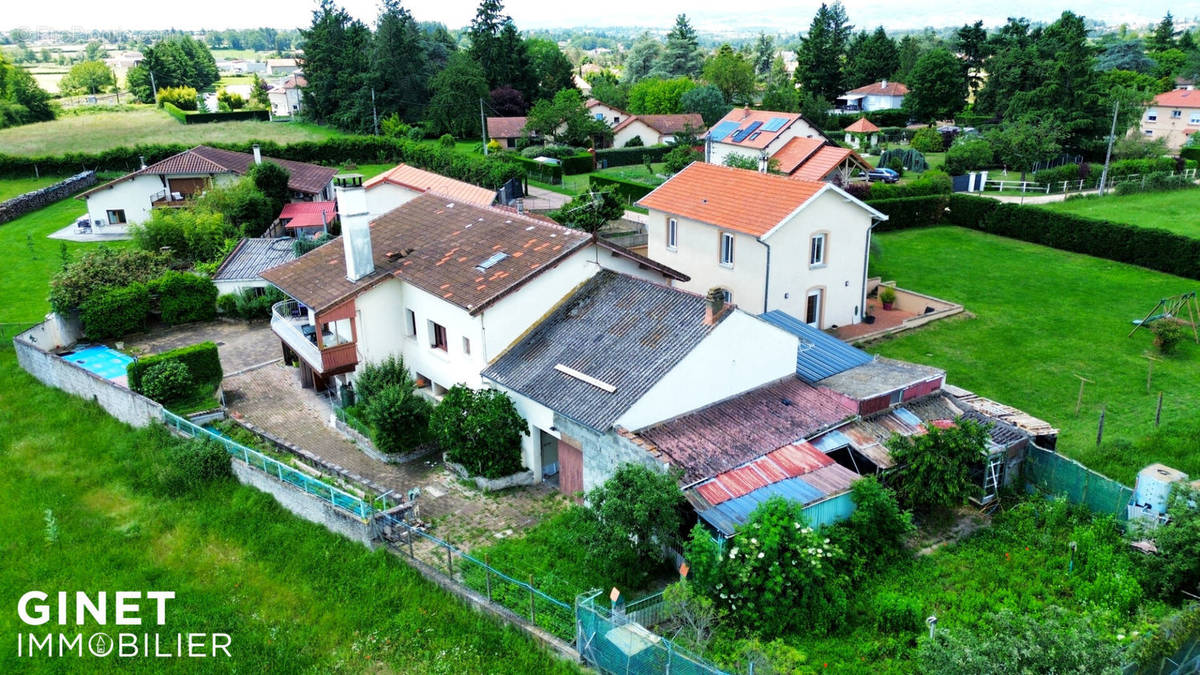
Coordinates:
[481,430]
[933,469]
[389,404]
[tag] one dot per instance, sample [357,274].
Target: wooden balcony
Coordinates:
[289,320]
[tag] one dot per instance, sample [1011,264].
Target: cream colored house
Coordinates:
[756,134]
[769,242]
[655,129]
[1173,116]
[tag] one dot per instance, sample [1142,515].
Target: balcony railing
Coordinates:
[289,320]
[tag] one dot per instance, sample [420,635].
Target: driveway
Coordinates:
[240,344]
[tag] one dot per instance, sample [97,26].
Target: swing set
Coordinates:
[1173,308]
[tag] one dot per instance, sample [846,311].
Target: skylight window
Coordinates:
[491,262]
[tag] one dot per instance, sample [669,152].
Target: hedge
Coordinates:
[202,361]
[929,184]
[227,116]
[632,156]
[629,190]
[114,312]
[1190,154]
[546,173]
[1058,174]
[577,164]
[184,298]
[175,112]
[908,212]
[891,117]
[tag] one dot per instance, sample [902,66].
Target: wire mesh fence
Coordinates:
[1051,473]
[612,642]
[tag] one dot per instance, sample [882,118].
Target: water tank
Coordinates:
[1152,489]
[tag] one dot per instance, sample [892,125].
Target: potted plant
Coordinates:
[887,296]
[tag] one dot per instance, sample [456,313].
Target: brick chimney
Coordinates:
[714,306]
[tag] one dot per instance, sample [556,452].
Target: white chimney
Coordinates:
[257,154]
[356,231]
[884,84]
[142,159]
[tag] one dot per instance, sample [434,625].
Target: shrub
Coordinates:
[1058,174]
[740,161]
[480,430]
[373,378]
[167,381]
[189,235]
[202,361]
[1167,335]
[250,303]
[640,513]
[627,190]
[887,295]
[230,100]
[99,269]
[243,206]
[271,179]
[116,311]
[927,140]
[930,183]
[877,532]
[969,155]
[1154,182]
[446,141]
[493,145]
[398,418]
[183,98]
[631,156]
[895,164]
[933,470]
[635,142]
[186,297]
[908,212]
[416,134]
[680,157]
[190,464]
[895,613]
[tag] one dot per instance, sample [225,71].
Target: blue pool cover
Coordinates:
[103,361]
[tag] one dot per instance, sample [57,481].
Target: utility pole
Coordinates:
[374,115]
[153,86]
[1112,136]
[483,128]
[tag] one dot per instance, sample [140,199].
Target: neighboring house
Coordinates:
[231,66]
[1173,117]
[605,112]
[402,183]
[620,354]
[815,159]
[655,129]
[281,66]
[505,130]
[446,285]
[862,128]
[769,242]
[179,178]
[582,85]
[1184,83]
[875,96]
[242,268]
[306,219]
[286,99]
[756,134]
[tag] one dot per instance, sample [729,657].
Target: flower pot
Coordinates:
[888,305]
[869,318]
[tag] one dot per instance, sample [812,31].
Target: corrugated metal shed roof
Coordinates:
[820,355]
[879,376]
[825,482]
[254,256]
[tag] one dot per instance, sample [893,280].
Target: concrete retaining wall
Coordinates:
[309,507]
[32,201]
[491,484]
[52,371]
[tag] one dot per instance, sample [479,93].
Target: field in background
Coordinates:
[1177,211]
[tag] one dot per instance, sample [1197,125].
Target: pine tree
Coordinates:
[1164,35]
[336,63]
[454,108]
[645,52]
[821,57]
[871,57]
[552,70]
[399,70]
[764,54]
[681,56]
[780,93]
[971,42]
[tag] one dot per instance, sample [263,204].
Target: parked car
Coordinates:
[885,175]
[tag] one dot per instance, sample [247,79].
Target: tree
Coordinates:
[908,50]
[242,205]
[971,42]
[21,99]
[764,54]
[706,100]
[780,93]
[681,55]
[229,101]
[937,89]
[397,415]
[591,210]
[879,529]
[565,119]
[1164,35]
[1013,66]
[191,235]
[94,51]
[101,268]
[271,180]
[497,47]
[336,63]
[507,102]
[1125,55]
[480,430]
[646,52]
[871,58]
[821,56]
[969,155]
[1051,641]
[732,73]
[551,69]
[399,71]
[640,512]
[933,470]
[927,140]
[607,89]
[1168,63]
[454,108]
[1018,145]
[258,92]
[655,96]
[680,157]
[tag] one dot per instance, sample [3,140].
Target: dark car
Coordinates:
[885,175]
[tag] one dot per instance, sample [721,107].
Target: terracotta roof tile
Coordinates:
[665,124]
[505,127]
[825,161]
[308,214]
[426,181]
[878,89]
[862,125]
[737,199]
[795,151]
[1179,98]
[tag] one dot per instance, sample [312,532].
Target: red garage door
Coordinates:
[570,468]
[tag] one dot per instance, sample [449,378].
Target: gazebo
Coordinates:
[860,130]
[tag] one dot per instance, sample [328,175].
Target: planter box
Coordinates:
[491,484]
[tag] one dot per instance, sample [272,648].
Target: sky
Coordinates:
[708,15]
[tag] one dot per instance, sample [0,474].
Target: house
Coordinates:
[505,130]
[860,129]
[816,159]
[606,113]
[285,98]
[655,129]
[622,353]
[875,96]
[306,219]
[446,285]
[282,66]
[398,185]
[756,134]
[1172,116]
[177,179]
[249,259]
[769,242]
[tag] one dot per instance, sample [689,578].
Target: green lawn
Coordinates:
[102,131]
[13,188]
[1041,317]
[1177,211]
[293,596]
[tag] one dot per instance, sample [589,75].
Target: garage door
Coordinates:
[570,468]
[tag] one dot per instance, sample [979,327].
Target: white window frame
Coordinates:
[1152,115]
[725,252]
[1149,132]
[1194,119]
[819,294]
[672,234]
[818,246]
[114,219]
[1176,114]
[410,323]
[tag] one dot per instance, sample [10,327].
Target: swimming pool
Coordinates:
[103,361]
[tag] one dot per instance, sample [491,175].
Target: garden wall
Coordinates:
[53,371]
[306,506]
[31,201]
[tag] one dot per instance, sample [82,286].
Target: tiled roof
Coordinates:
[1179,98]
[862,125]
[825,161]
[878,377]
[708,441]
[505,127]
[879,89]
[294,82]
[642,261]
[665,124]
[447,241]
[795,151]
[737,199]
[426,181]
[308,214]
[626,333]
[252,257]
[744,117]
[820,355]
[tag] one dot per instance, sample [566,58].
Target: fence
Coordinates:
[1049,472]
[1056,187]
[615,643]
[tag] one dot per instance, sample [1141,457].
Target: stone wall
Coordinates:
[309,507]
[53,371]
[32,201]
[603,453]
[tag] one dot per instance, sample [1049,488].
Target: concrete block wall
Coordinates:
[603,453]
[309,507]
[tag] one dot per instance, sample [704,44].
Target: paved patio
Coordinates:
[240,344]
[105,233]
[884,319]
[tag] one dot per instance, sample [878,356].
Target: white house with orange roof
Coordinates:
[655,129]
[756,134]
[403,183]
[769,242]
[881,95]
[1173,116]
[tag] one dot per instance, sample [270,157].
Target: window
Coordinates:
[812,309]
[410,323]
[1194,119]
[1149,132]
[816,250]
[727,249]
[1151,115]
[616,120]
[726,296]
[437,336]
[334,333]
[672,233]
[116,216]
[466,345]
[1176,114]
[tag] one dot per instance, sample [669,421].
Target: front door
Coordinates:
[570,468]
[812,310]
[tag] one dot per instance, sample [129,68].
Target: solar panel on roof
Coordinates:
[775,124]
[722,130]
[743,133]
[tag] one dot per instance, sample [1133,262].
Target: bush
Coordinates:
[927,140]
[398,418]
[1167,335]
[183,98]
[640,511]
[1154,182]
[167,381]
[99,269]
[115,312]
[446,141]
[635,142]
[877,532]
[416,134]
[202,361]
[243,206]
[680,157]
[969,155]
[631,156]
[373,378]
[930,183]
[250,303]
[190,464]
[629,191]
[895,164]
[190,235]
[186,297]
[895,613]
[1058,174]
[480,430]
[271,179]
[175,112]
[908,212]
[933,470]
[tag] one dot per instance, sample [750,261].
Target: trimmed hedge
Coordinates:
[632,156]
[114,312]
[908,212]
[184,298]
[891,117]
[930,184]
[175,112]
[546,173]
[230,116]
[577,164]
[626,189]
[201,359]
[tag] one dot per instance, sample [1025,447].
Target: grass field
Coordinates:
[1177,211]
[101,131]
[1041,317]
[13,188]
